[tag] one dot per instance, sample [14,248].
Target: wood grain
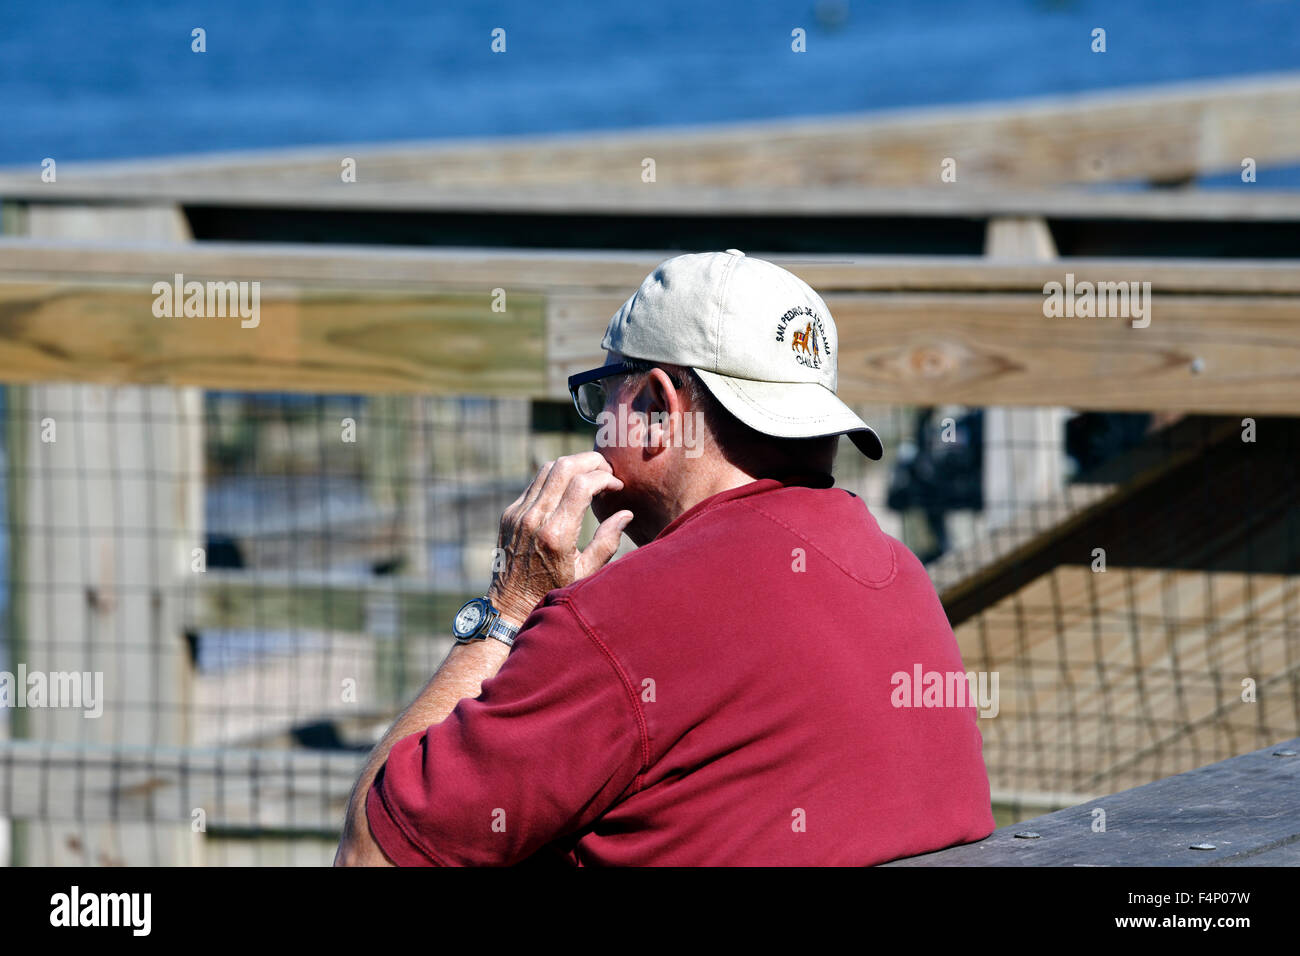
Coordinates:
[619,273]
[1246,806]
[1223,337]
[946,201]
[369,341]
[1168,133]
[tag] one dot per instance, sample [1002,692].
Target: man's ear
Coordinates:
[655,393]
[662,404]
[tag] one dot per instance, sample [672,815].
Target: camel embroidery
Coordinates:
[800,340]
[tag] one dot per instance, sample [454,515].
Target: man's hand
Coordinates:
[539,533]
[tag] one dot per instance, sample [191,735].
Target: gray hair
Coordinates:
[747,448]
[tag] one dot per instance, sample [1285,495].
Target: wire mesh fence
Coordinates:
[216,602]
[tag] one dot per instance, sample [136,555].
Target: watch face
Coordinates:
[468,618]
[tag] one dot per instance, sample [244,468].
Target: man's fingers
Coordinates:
[603,543]
[588,461]
[565,470]
[566,519]
[529,497]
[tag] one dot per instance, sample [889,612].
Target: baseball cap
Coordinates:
[761,340]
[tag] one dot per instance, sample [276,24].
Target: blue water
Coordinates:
[83,80]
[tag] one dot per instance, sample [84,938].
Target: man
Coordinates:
[727,693]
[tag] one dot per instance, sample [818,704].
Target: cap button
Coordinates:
[735,252]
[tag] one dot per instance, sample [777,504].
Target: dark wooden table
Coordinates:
[1241,812]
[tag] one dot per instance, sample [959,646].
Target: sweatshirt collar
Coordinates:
[803,479]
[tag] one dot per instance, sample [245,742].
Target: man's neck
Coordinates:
[694,488]
[725,479]
[701,487]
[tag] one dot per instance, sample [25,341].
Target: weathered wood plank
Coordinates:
[1166,133]
[1023,455]
[1223,337]
[998,348]
[341,342]
[294,268]
[956,200]
[1244,807]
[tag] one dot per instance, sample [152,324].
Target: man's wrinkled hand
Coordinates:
[539,533]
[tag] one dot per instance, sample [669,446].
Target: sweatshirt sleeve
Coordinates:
[553,740]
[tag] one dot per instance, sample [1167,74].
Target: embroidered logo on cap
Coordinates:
[807,343]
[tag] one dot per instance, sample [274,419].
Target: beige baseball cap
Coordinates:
[759,337]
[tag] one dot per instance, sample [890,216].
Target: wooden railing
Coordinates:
[1224,336]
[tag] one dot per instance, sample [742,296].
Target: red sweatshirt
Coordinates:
[727,694]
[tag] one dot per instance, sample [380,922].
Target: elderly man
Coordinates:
[726,694]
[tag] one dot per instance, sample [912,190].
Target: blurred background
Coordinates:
[259,535]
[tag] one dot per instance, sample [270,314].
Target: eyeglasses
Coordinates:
[588,388]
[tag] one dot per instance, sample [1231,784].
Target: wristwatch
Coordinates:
[478,619]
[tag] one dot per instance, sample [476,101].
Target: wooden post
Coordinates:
[107,512]
[1024,453]
[13,222]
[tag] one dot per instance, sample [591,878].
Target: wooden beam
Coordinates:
[307,267]
[1023,455]
[1159,518]
[1033,519]
[957,200]
[1246,809]
[1164,133]
[1016,238]
[999,349]
[1223,337]
[322,342]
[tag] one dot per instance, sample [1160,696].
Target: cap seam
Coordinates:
[732,264]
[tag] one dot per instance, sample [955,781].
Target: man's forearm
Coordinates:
[461,675]
[538,534]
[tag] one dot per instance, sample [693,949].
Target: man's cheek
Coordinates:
[605,447]
[615,454]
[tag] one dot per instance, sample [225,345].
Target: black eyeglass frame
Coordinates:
[605,371]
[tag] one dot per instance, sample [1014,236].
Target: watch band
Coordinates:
[503,632]
[491,626]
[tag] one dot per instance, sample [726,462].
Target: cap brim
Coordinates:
[792,410]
